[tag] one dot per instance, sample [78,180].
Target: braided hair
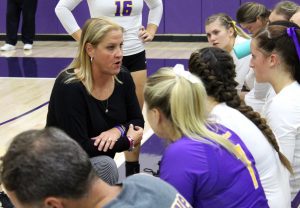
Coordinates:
[217,70]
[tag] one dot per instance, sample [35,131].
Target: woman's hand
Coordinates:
[107,139]
[145,35]
[136,133]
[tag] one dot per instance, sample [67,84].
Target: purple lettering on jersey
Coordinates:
[118,9]
[127,8]
[124,9]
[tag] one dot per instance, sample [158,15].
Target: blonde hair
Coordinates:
[93,32]
[227,22]
[250,11]
[184,104]
[286,8]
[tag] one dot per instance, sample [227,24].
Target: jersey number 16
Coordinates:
[124,8]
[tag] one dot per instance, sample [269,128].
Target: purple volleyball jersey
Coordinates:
[207,175]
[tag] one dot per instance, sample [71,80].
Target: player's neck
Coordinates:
[211,103]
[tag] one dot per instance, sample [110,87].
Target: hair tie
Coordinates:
[179,71]
[291,31]
[234,25]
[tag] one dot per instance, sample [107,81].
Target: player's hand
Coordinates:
[145,35]
[136,133]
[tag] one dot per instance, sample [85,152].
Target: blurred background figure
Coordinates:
[283,10]
[15,9]
[296,17]
[252,16]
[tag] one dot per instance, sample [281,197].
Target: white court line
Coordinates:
[121,159]
[29,78]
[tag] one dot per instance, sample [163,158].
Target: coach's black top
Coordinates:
[82,117]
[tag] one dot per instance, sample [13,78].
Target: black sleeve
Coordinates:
[68,110]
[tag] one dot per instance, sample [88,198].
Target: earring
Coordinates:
[92,58]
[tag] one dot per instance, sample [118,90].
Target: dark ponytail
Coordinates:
[276,38]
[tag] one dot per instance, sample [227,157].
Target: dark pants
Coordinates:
[13,13]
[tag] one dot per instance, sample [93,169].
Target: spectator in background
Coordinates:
[46,168]
[14,10]
[283,10]
[252,16]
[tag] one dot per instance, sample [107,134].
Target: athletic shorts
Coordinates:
[135,62]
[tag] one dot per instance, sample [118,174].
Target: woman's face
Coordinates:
[219,36]
[254,27]
[108,54]
[259,63]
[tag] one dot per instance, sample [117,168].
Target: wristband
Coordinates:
[131,142]
[121,129]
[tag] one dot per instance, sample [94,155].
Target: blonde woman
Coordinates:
[93,100]
[223,33]
[201,161]
[128,14]
[283,10]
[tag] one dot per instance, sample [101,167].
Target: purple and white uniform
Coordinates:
[127,14]
[208,175]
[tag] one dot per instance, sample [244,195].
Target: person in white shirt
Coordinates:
[252,16]
[222,32]
[283,10]
[128,14]
[276,59]
[216,69]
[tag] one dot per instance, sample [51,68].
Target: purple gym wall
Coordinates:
[180,16]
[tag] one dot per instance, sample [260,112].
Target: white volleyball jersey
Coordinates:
[127,14]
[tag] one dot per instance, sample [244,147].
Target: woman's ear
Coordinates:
[231,31]
[274,60]
[156,115]
[89,48]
